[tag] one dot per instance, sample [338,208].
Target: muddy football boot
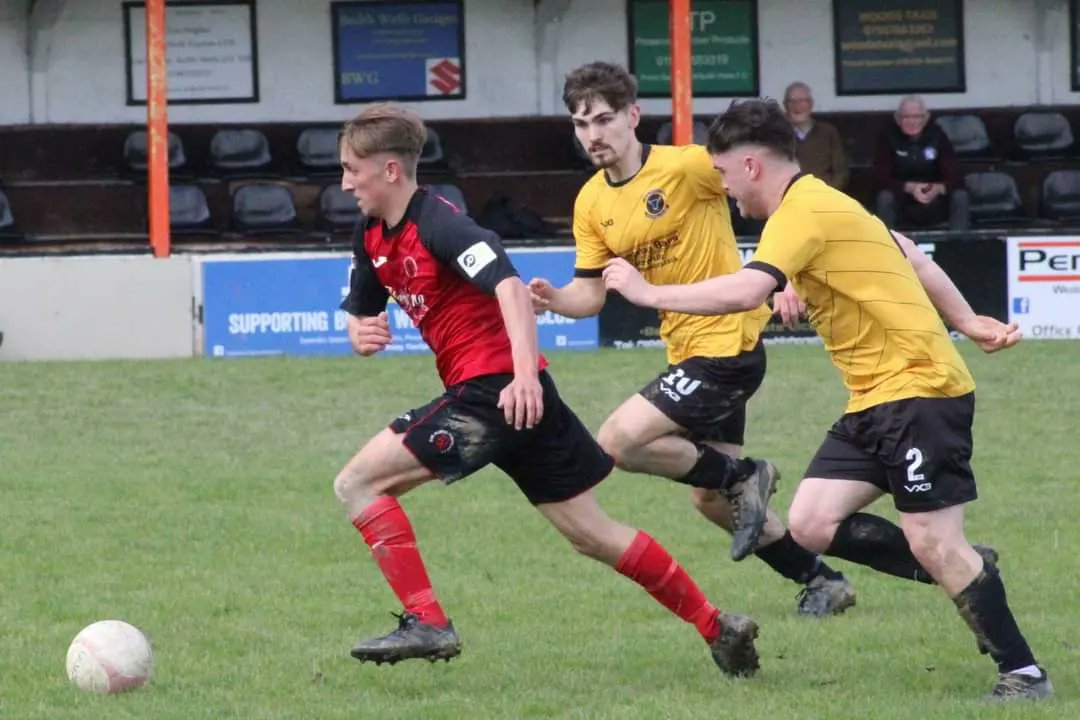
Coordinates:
[733,651]
[823,596]
[412,639]
[1013,686]
[749,499]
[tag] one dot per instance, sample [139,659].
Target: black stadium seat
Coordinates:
[968,135]
[317,150]
[7,221]
[993,198]
[666,132]
[1042,136]
[239,153]
[432,155]
[136,152]
[188,210]
[1060,198]
[337,211]
[263,207]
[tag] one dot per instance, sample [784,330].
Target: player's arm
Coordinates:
[366,323]
[583,296]
[478,256]
[989,333]
[737,292]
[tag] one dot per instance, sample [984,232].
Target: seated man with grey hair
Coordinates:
[817,143]
[915,168]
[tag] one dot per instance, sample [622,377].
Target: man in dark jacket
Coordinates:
[916,172]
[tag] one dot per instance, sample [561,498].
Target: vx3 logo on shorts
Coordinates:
[677,386]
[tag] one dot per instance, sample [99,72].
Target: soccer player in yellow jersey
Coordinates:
[874,299]
[664,210]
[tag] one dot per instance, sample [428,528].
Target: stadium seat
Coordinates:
[188,211]
[317,149]
[337,210]
[263,207]
[1060,199]
[1042,135]
[968,135]
[993,198]
[239,153]
[432,155]
[453,194]
[136,152]
[666,132]
[7,221]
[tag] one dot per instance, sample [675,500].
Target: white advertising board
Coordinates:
[211,54]
[1044,286]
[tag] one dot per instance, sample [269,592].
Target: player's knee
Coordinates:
[615,442]
[928,545]
[809,531]
[351,483]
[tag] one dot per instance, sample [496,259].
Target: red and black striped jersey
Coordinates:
[442,269]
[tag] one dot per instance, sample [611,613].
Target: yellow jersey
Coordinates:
[862,296]
[671,221]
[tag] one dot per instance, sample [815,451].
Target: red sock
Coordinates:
[647,563]
[387,531]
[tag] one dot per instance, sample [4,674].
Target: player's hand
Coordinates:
[522,402]
[368,335]
[623,278]
[540,292]
[789,306]
[990,334]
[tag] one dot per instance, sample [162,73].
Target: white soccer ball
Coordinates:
[109,656]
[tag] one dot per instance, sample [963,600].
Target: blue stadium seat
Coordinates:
[968,136]
[189,213]
[1060,198]
[337,210]
[993,198]
[264,208]
[136,152]
[240,153]
[317,150]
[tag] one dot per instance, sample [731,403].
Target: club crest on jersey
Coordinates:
[410,266]
[655,203]
[442,441]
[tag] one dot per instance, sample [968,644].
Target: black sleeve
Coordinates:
[773,272]
[477,254]
[366,296]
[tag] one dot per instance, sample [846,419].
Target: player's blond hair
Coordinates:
[387,128]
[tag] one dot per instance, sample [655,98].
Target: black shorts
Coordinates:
[707,396]
[464,430]
[918,449]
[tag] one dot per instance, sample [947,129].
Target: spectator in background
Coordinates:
[818,146]
[915,167]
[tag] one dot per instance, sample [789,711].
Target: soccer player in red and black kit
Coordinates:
[500,407]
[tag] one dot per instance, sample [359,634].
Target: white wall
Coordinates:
[95,307]
[1016,54]
[14,78]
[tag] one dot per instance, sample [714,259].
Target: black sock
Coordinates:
[714,470]
[793,561]
[876,542]
[984,608]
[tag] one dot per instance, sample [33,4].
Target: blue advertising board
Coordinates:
[410,50]
[289,306]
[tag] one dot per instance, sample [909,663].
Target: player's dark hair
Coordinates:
[386,127]
[599,81]
[759,121]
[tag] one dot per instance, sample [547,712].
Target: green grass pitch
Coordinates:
[193,499]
